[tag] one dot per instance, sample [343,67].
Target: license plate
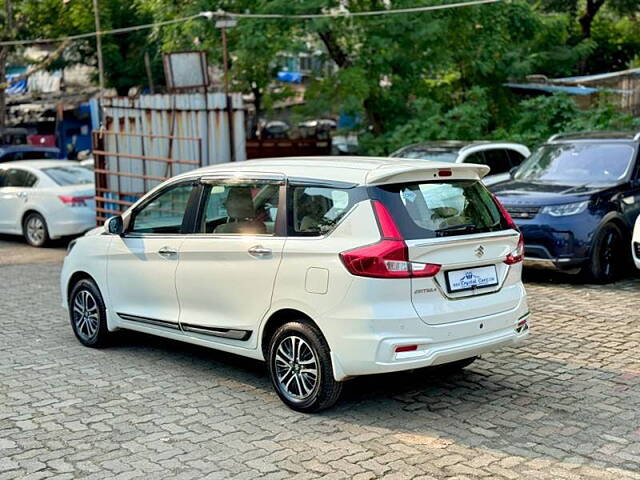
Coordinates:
[470,278]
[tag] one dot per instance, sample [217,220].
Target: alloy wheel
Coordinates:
[35,230]
[85,314]
[609,252]
[296,368]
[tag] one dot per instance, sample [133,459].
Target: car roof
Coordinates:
[355,170]
[602,135]
[39,164]
[27,148]
[454,145]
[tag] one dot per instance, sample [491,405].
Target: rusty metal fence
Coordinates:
[127,165]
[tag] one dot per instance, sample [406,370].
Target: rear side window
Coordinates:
[439,209]
[71,175]
[316,210]
[497,160]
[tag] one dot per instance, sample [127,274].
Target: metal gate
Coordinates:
[127,165]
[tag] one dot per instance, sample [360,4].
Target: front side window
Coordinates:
[165,213]
[240,208]
[583,163]
[439,209]
[317,210]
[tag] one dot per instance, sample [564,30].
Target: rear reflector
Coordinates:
[407,348]
[389,257]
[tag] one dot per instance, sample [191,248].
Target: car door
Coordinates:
[142,262]
[14,193]
[227,269]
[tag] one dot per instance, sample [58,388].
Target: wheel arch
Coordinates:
[615,219]
[75,278]
[28,211]
[279,318]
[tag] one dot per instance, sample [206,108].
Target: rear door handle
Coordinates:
[259,251]
[167,252]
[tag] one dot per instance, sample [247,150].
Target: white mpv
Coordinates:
[326,268]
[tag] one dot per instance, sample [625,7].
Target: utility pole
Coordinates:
[96,13]
[223,24]
[4,55]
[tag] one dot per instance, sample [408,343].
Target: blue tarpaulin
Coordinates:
[290,77]
[16,88]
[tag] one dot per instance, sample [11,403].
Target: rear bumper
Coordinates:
[65,223]
[364,353]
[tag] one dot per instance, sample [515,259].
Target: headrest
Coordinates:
[239,203]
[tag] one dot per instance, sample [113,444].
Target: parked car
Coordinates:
[46,199]
[500,157]
[635,244]
[11,153]
[326,268]
[575,200]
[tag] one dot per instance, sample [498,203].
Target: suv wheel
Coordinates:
[34,229]
[300,368]
[88,315]
[607,256]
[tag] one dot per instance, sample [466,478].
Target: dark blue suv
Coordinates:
[576,199]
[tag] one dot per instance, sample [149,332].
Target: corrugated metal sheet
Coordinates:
[149,123]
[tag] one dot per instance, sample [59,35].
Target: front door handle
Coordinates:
[259,251]
[167,252]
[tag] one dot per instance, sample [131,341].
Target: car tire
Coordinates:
[87,314]
[34,230]
[300,368]
[606,263]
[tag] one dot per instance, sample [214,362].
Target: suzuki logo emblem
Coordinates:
[479,251]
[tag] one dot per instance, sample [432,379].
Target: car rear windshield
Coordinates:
[71,175]
[441,209]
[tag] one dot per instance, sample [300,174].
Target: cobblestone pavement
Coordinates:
[565,405]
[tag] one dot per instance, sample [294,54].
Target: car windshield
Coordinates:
[578,164]
[71,175]
[434,154]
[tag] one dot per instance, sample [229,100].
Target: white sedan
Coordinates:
[46,199]
[635,243]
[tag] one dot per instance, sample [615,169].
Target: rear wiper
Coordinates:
[465,227]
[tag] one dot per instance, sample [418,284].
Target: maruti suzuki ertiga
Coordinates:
[326,268]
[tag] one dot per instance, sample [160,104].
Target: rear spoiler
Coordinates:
[411,173]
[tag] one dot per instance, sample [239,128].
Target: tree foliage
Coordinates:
[407,77]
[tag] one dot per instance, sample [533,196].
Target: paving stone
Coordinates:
[564,405]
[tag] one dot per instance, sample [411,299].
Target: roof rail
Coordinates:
[554,137]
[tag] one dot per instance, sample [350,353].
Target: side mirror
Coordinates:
[114,225]
[512,172]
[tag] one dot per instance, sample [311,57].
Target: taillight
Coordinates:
[518,254]
[388,258]
[74,201]
[505,214]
